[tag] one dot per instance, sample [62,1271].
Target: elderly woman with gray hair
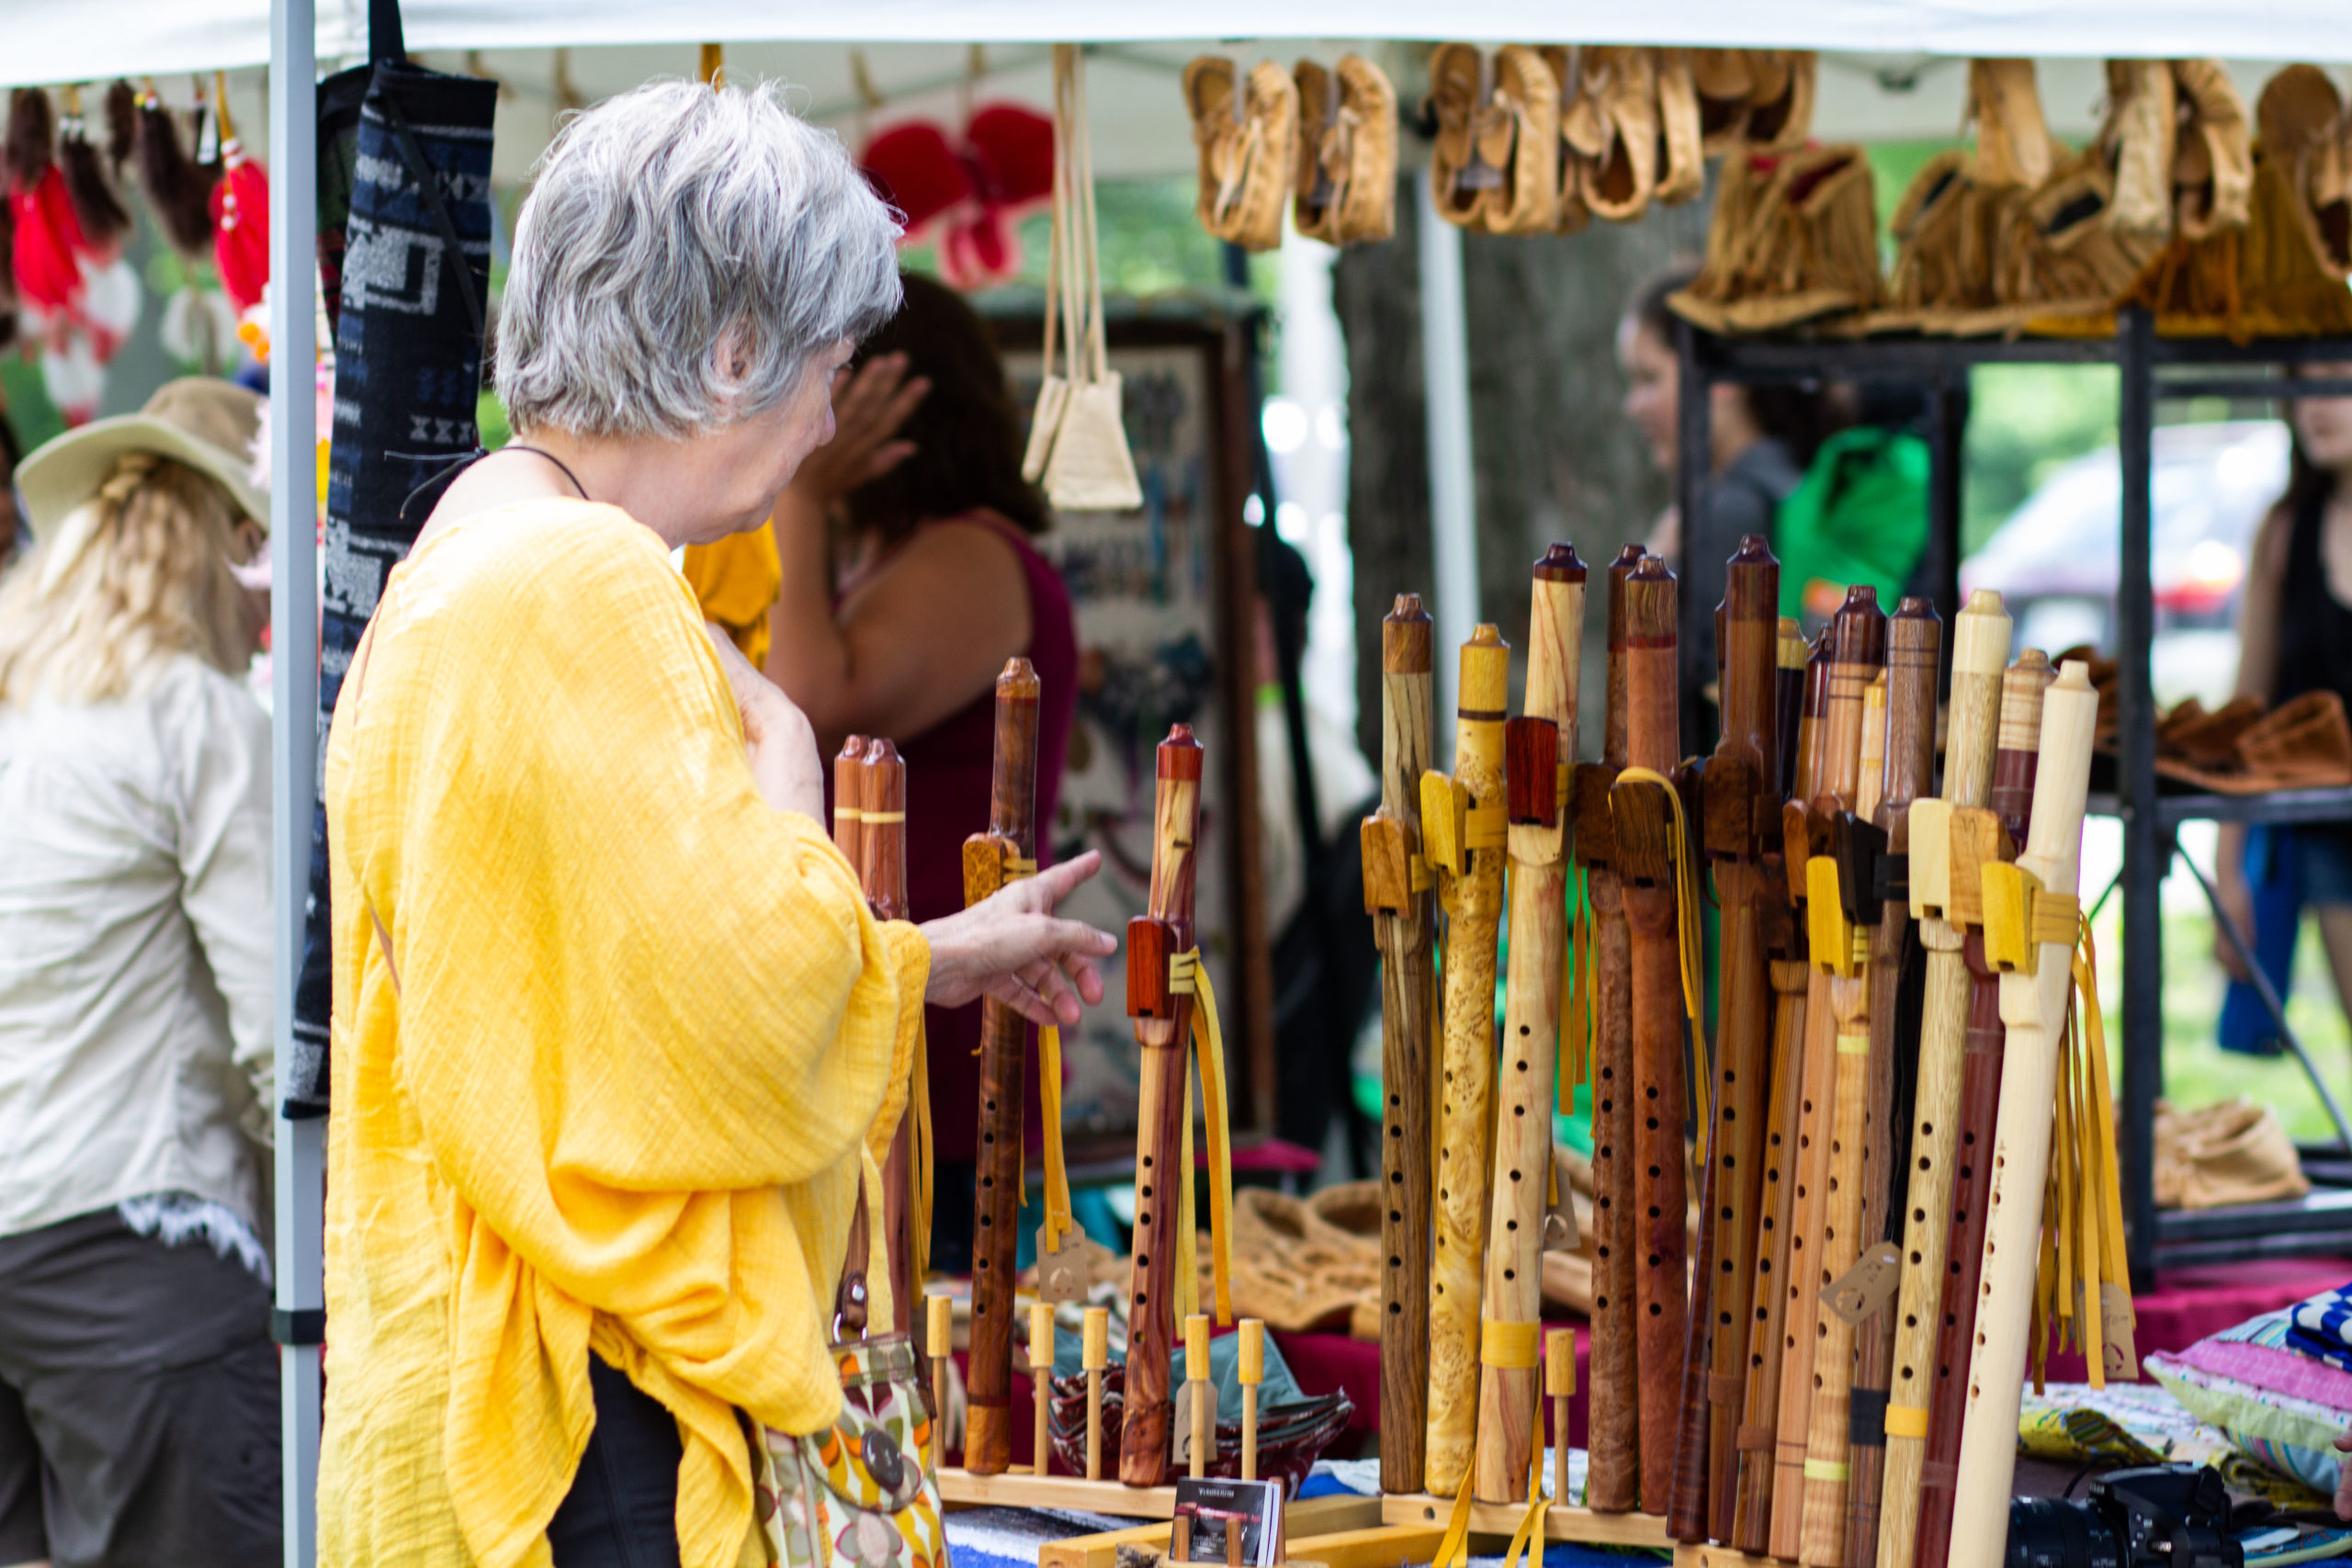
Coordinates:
[617,1023]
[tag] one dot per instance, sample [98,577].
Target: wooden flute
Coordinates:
[1539,748]
[2015,759]
[1162,1014]
[1612,1477]
[1856,847]
[1980,650]
[1646,826]
[1857,651]
[1396,891]
[1465,840]
[1914,650]
[882,869]
[1738,812]
[2034,997]
[1789,975]
[1009,849]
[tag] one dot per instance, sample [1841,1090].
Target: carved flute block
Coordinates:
[1470,889]
[1540,746]
[1396,893]
[1980,649]
[1162,1017]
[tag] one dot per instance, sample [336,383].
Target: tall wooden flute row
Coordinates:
[1836,1381]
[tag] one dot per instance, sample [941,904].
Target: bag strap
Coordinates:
[385,39]
[429,187]
[850,1299]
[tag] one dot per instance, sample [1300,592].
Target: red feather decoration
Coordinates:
[969,191]
[48,245]
[240,228]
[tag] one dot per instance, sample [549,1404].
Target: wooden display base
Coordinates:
[1338,1531]
[1707,1556]
[1560,1522]
[1021,1487]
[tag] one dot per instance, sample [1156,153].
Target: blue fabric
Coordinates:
[2322,1326]
[2273,873]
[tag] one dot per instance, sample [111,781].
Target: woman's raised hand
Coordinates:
[1011,946]
[870,403]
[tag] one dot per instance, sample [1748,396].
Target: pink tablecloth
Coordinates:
[2186,1305]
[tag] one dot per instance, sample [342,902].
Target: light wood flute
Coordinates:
[1008,849]
[1803,676]
[1539,749]
[2033,1009]
[1163,1017]
[882,868]
[1646,827]
[1396,894]
[2016,756]
[1914,648]
[1612,1482]
[1980,649]
[1464,838]
[1740,813]
[1833,999]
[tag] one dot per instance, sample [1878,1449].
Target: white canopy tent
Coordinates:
[1893,72]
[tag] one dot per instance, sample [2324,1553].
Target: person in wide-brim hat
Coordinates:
[137,1382]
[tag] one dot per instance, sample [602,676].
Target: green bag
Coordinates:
[1858,516]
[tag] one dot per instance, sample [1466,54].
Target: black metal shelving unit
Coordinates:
[2150,369]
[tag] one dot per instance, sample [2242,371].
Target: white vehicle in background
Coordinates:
[2055,560]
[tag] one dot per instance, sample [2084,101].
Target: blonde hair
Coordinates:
[135,575]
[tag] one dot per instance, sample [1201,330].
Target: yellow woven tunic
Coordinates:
[601,1081]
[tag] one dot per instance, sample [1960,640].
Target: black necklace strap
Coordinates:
[442,477]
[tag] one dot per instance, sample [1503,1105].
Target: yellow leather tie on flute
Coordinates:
[1527,1540]
[1186,976]
[1687,928]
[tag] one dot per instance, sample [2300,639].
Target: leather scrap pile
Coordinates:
[2245,745]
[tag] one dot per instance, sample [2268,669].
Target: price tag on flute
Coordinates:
[1863,1291]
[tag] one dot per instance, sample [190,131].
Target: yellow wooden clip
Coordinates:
[1832,934]
[1446,808]
[1930,868]
[2009,894]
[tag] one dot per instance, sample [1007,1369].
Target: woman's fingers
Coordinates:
[1045,890]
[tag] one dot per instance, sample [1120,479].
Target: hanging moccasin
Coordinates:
[1681,162]
[1584,136]
[2012,139]
[1622,85]
[2142,117]
[1347,153]
[1247,135]
[2306,133]
[1519,135]
[2060,255]
[2213,170]
[1722,80]
[1780,99]
[1459,179]
[1942,266]
[1795,239]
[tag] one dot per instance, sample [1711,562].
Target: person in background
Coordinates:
[2295,635]
[139,1417]
[909,578]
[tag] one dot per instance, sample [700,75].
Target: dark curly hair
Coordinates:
[967,433]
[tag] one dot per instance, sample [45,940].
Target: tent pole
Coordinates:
[1453,524]
[298,1322]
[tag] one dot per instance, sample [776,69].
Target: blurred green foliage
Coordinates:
[2023,422]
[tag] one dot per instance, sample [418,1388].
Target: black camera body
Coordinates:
[2175,1515]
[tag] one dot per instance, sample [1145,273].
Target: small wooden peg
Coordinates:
[1253,1372]
[939,1327]
[1560,1379]
[1041,1380]
[1196,1373]
[1095,1353]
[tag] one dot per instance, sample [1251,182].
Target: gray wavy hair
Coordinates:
[684,256]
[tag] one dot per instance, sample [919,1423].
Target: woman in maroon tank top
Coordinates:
[909,580]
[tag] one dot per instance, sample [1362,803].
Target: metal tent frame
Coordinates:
[2149,368]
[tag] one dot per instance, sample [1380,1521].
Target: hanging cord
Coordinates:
[1188,976]
[1687,933]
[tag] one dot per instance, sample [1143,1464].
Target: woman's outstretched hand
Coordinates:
[1013,947]
[870,405]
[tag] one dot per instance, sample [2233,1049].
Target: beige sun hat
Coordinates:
[208,423]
